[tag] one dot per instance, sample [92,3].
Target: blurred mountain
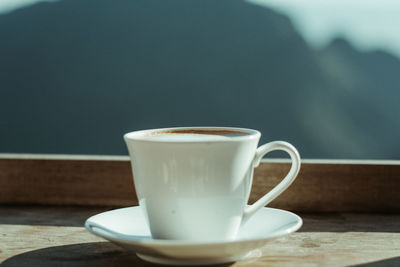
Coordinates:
[77,74]
[361,103]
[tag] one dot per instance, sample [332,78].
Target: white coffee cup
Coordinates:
[193,183]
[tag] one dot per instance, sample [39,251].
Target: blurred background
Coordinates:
[75,75]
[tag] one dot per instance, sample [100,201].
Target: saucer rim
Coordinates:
[173,243]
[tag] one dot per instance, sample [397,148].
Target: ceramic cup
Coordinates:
[193,183]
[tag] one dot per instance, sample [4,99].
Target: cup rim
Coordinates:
[141,135]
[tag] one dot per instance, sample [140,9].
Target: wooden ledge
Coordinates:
[322,185]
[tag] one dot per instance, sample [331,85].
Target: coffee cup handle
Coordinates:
[284,184]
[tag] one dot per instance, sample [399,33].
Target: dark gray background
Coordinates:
[75,75]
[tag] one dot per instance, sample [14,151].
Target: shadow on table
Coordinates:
[87,254]
[350,222]
[47,215]
[318,222]
[395,262]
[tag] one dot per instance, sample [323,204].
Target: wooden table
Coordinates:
[55,236]
[351,212]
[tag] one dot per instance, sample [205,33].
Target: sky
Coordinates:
[10,5]
[367,24]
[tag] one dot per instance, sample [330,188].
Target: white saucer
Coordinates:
[128,228]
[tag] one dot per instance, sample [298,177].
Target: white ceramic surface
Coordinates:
[196,186]
[128,228]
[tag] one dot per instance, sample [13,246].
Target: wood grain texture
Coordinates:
[333,187]
[320,187]
[66,182]
[54,236]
